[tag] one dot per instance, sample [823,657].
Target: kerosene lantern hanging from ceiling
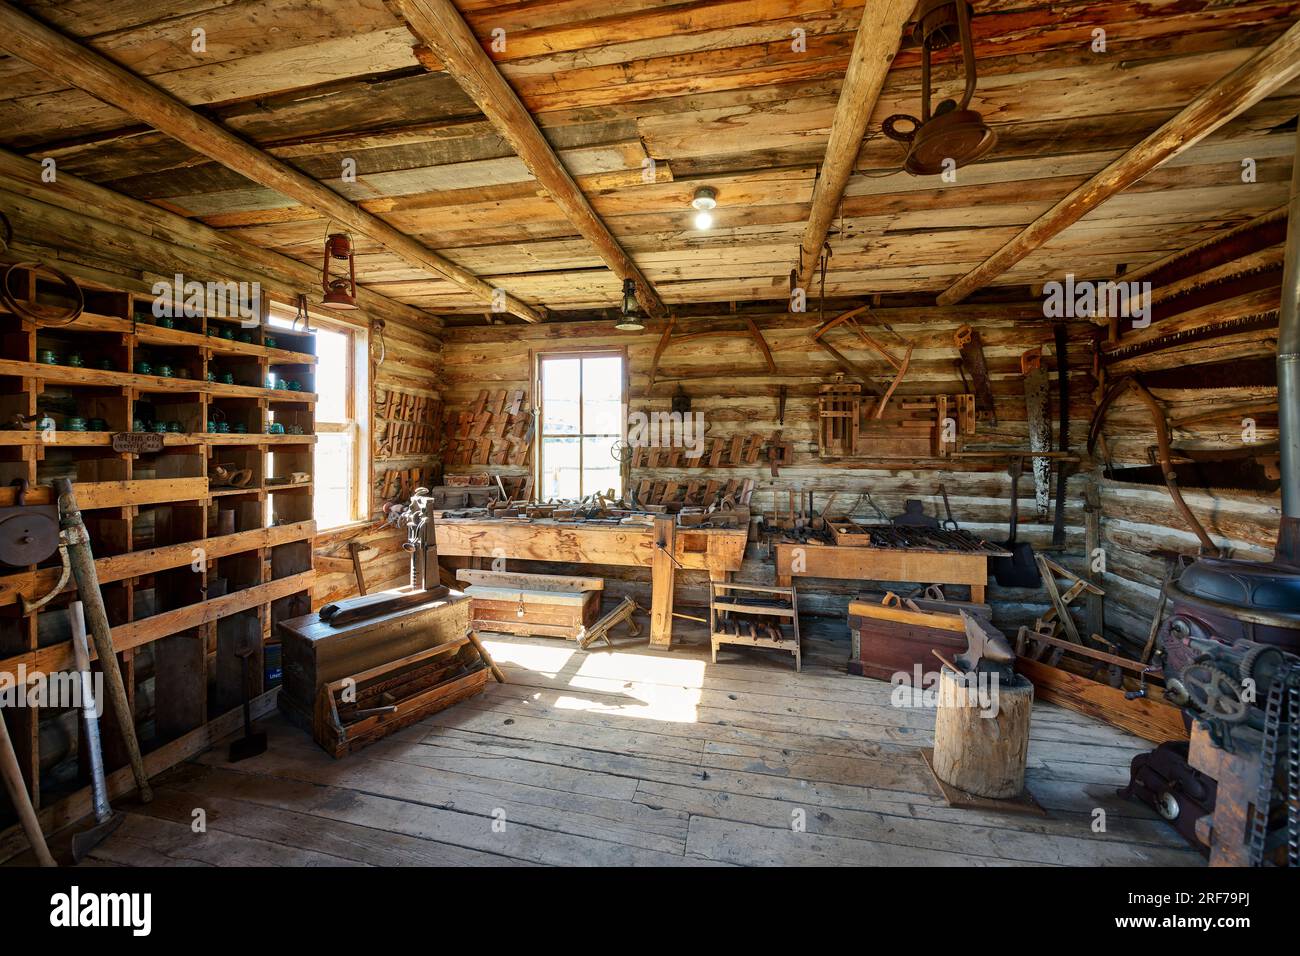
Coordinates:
[340,290]
[630,312]
[954,134]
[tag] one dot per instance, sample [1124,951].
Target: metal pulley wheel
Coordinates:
[1214,693]
[28,537]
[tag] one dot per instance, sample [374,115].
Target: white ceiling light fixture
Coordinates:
[706,199]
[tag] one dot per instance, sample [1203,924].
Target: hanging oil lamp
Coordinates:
[340,290]
[953,134]
[630,320]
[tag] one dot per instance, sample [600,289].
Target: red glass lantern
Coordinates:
[340,290]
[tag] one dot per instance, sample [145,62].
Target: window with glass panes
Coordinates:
[582,397]
[338,485]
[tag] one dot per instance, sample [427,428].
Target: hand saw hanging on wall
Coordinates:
[1040,428]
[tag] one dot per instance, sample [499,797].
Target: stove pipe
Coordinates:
[1288,377]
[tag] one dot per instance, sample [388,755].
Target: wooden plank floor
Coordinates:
[635,757]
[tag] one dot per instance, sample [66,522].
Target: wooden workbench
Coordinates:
[883,564]
[717,551]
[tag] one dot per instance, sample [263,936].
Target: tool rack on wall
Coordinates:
[193,571]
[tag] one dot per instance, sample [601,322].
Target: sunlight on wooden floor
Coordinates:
[665,689]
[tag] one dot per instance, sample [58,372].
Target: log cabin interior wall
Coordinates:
[136,244]
[729,385]
[130,152]
[1209,358]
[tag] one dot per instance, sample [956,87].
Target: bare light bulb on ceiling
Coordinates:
[705,199]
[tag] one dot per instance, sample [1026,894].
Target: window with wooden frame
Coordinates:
[582,397]
[341,473]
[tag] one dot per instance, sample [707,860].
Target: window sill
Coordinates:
[345,529]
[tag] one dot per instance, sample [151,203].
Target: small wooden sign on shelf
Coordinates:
[137,443]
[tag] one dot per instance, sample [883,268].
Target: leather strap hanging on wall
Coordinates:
[43,314]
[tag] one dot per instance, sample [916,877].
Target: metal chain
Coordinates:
[1283,692]
[1293,771]
[1267,767]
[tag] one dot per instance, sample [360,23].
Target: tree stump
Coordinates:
[983,755]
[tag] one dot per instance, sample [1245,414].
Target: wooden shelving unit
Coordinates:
[189,571]
[755,615]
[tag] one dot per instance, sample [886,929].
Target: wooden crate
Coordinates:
[407,690]
[542,613]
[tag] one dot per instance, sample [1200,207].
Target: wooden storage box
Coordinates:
[543,613]
[362,708]
[315,654]
[887,639]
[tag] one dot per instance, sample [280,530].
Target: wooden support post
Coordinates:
[662,575]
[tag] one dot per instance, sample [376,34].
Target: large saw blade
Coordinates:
[1040,428]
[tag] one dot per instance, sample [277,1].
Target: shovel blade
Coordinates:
[248,746]
[1018,571]
[86,841]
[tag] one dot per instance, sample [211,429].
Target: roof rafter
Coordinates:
[879,36]
[438,25]
[1273,67]
[44,48]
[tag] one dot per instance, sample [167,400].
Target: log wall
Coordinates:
[1228,388]
[741,396]
[99,236]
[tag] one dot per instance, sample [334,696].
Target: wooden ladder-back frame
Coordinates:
[750,331]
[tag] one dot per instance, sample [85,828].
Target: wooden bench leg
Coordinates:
[662,575]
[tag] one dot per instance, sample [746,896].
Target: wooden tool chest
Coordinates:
[889,638]
[543,605]
[316,654]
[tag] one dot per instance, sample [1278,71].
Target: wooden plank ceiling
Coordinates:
[713,92]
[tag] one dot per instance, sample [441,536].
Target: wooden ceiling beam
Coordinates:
[879,36]
[35,43]
[225,252]
[1271,68]
[438,25]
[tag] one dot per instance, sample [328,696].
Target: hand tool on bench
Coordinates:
[252,743]
[356,609]
[20,798]
[82,560]
[417,518]
[106,821]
